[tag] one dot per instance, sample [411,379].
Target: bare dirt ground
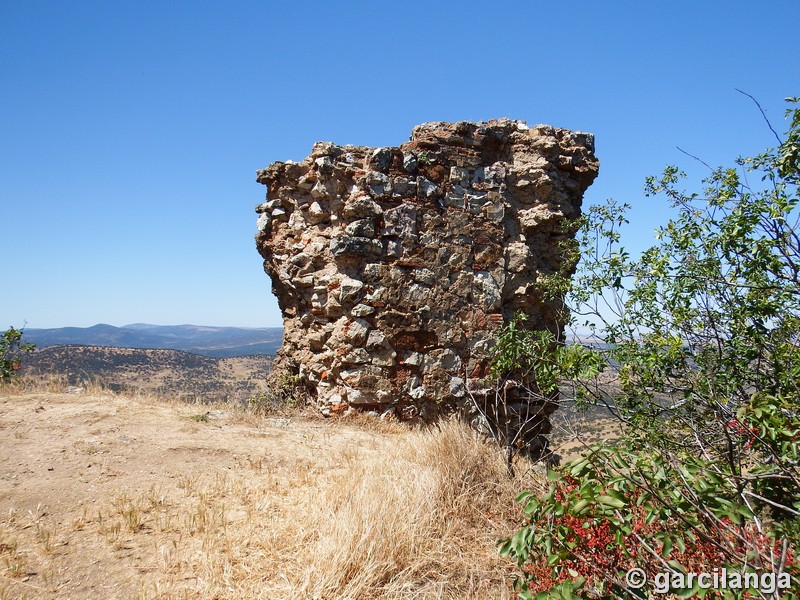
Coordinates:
[82,477]
[109,496]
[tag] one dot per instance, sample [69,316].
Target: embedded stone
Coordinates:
[442,359]
[350,289]
[361,228]
[459,175]
[381,158]
[485,291]
[360,246]
[362,310]
[379,184]
[356,356]
[427,188]
[457,388]
[361,397]
[517,255]
[316,213]
[376,339]
[409,162]
[356,331]
[424,275]
[413,358]
[400,221]
[384,357]
[361,206]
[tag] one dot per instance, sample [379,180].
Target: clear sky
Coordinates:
[131,131]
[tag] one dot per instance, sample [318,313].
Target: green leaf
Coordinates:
[580,507]
[667,548]
[523,496]
[611,501]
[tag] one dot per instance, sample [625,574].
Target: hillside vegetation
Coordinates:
[165,372]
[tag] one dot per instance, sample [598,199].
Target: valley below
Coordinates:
[168,373]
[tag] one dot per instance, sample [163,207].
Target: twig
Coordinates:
[700,160]
[763,114]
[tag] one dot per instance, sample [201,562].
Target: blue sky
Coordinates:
[131,131]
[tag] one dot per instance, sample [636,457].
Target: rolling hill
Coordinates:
[217,342]
[161,371]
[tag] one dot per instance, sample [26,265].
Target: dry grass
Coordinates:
[343,508]
[35,382]
[420,523]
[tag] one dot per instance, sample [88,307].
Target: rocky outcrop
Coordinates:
[394,267]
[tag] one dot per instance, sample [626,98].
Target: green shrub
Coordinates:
[701,335]
[284,393]
[12,348]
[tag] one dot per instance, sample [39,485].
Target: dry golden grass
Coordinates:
[241,507]
[35,382]
[420,523]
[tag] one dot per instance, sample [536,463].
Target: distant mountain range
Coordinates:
[217,342]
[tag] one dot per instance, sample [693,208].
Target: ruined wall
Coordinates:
[395,266]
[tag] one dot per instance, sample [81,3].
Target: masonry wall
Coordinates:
[395,266]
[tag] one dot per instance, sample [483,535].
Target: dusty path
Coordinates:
[104,496]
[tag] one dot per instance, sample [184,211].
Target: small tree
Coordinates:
[699,337]
[11,350]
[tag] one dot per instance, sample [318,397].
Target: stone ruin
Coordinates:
[395,267]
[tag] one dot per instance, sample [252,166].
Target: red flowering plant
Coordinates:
[614,510]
